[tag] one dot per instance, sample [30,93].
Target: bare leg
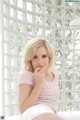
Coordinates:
[47,116]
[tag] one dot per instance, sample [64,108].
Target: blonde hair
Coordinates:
[30,50]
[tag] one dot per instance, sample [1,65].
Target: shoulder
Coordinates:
[25,74]
[25,77]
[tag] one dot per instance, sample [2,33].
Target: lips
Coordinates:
[40,66]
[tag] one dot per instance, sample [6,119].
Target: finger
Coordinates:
[37,69]
[41,71]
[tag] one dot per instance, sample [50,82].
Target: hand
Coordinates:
[39,76]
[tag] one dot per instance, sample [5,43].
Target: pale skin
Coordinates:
[28,95]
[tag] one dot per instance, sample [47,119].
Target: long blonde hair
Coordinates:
[30,50]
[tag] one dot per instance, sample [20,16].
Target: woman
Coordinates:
[38,85]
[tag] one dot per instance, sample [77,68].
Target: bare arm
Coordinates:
[28,95]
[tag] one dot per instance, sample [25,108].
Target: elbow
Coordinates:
[21,109]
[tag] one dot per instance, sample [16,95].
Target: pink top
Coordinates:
[49,94]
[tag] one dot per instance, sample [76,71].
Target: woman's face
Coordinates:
[41,59]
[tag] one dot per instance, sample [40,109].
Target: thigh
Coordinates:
[47,116]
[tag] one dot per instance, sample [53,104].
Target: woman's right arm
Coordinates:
[28,96]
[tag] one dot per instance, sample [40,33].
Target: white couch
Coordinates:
[72,115]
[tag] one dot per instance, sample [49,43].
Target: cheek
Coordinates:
[48,60]
[33,63]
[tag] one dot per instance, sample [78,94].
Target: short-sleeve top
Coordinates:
[49,94]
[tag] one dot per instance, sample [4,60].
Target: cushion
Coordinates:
[71,115]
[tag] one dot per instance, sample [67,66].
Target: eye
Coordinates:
[44,56]
[35,57]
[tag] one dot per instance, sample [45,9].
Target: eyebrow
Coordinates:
[44,54]
[41,55]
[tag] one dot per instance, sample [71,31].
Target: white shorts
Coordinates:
[35,110]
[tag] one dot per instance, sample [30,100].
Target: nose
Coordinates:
[40,61]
